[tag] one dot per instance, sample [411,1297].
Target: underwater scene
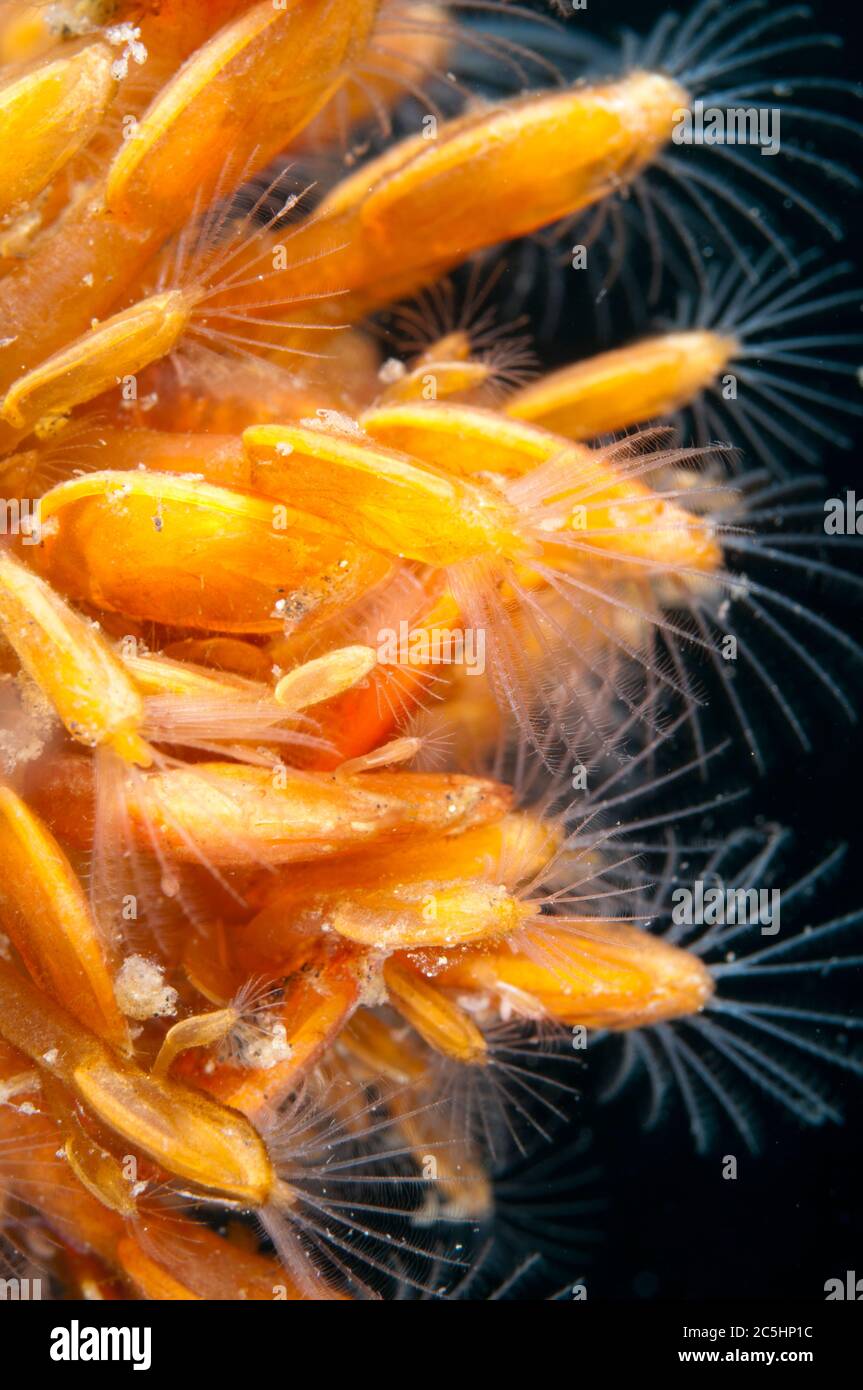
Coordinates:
[430,662]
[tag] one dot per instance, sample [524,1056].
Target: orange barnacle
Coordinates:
[609,975]
[188,1134]
[162,1255]
[199,1030]
[394,916]
[464,439]
[422,208]
[182,552]
[80,269]
[47,115]
[438,1019]
[123,701]
[628,517]
[426,914]
[266,1034]
[188,305]
[456,352]
[394,503]
[247,815]
[232,95]
[257,816]
[451,378]
[526,558]
[626,386]
[118,348]
[447,364]
[75,274]
[71,662]
[601,135]
[199,1142]
[437,894]
[46,916]
[220,286]
[325,677]
[393,754]
[511,847]
[246,383]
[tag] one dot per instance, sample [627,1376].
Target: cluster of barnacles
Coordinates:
[343,651]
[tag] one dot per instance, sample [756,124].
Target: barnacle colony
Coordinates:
[262,952]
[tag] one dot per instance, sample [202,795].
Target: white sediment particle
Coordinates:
[373,992]
[391,371]
[29,719]
[333,420]
[69,20]
[263,1047]
[128,38]
[14,1085]
[141,992]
